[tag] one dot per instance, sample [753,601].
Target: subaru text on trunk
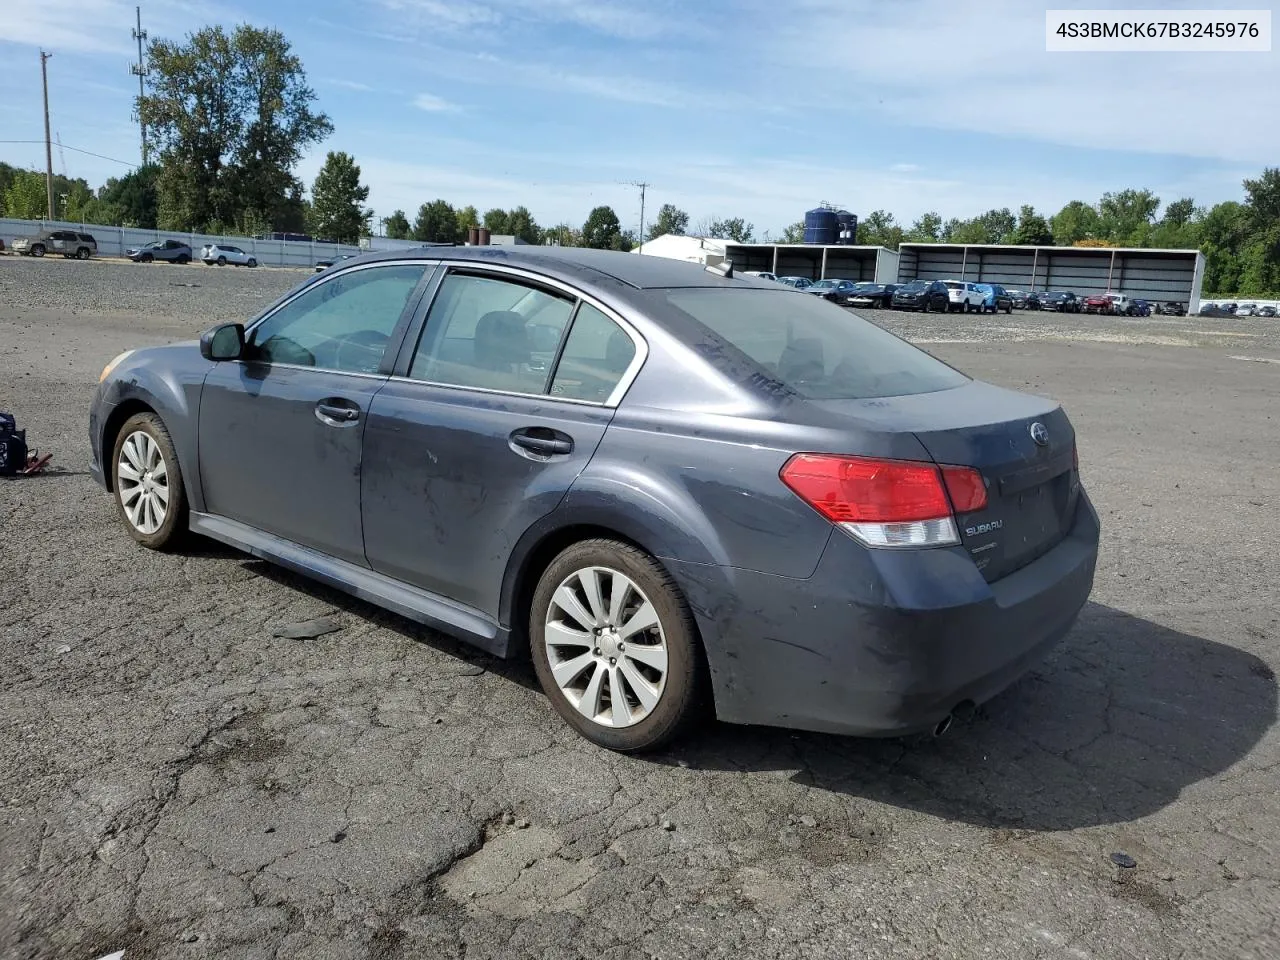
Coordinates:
[662,482]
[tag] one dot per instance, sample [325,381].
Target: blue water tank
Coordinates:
[848,227]
[821,226]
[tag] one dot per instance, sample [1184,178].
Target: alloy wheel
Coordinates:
[143,480]
[606,647]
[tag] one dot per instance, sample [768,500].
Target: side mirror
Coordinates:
[223,342]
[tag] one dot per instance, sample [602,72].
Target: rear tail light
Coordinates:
[887,503]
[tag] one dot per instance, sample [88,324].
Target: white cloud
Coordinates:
[905,167]
[349,85]
[433,104]
[608,17]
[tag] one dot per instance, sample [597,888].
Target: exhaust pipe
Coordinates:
[963,711]
[943,726]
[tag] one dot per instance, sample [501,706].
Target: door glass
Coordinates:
[595,357]
[492,333]
[340,324]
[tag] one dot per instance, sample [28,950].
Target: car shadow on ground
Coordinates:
[1113,727]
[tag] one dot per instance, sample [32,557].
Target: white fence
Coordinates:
[114,241]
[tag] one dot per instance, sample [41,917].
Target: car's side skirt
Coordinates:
[458,620]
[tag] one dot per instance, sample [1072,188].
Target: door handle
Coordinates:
[336,411]
[542,442]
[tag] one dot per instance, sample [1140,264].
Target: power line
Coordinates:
[87,153]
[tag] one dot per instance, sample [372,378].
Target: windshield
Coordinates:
[819,350]
[824,284]
[915,286]
[868,287]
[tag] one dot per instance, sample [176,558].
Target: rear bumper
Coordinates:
[880,642]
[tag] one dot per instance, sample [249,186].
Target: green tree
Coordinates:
[230,115]
[928,229]
[467,217]
[1076,221]
[496,220]
[965,231]
[337,200]
[398,226]
[602,230]
[520,224]
[670,219]
[563,235]
[437,222]
[134,198]
[877,229]
[1125,218]
[794,233]
[731,228]
[1032,229]
[25,197]
[1262,272]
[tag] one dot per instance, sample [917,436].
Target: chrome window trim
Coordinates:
[471,267]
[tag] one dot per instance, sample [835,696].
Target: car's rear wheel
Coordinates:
[37,250]
[150,495]
[221,261]
[82,253]
[615,646]
[183,258]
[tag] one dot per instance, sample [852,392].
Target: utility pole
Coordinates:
[643,187]
[48,146]
[140,68]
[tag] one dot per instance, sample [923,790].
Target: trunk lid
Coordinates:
[1032,487]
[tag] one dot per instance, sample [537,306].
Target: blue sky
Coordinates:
[747,108]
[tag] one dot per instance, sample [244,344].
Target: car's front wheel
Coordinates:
[150,495]
[147,257]
[251,262]
[615,646]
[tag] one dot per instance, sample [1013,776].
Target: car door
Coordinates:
[281,429]
[485,430]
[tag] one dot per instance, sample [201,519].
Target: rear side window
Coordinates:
[491,333]
[596,356]
[814,347]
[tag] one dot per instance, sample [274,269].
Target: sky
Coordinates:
[726,108]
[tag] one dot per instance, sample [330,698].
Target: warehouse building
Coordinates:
[1148,274]
[814,261]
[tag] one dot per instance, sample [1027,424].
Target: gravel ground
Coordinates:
[177,782]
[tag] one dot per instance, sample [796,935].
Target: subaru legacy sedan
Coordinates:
[667,484]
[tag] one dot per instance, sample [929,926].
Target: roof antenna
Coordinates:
[724,268]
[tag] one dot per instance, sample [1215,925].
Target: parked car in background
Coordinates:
[1267,311]
[68,243]
[221,254]
[1230,306]
[800,283]
[1246,310]
[330,261]
[877,295]
[762,274]
[1139,308]
[837,291]
[1214,310]
[963,296]
[170,251]
[1172,308]
[1031,301]
[994,298]
[1063,301]
[922,295]
[926,535]
[1097,303]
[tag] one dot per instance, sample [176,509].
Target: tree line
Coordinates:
[231,113]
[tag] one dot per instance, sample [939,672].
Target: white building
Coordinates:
[702,250]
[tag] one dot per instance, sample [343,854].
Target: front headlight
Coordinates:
[106,371]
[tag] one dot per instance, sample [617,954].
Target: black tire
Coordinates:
[221,261]
[681,702]
[1008,309]
[174,526]
[252,263]
[82,253]
[37,250]
[146,258]
[925,308]
[183,258]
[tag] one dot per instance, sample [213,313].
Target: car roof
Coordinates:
[582,265]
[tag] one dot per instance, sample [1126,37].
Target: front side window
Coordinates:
[595,359]
[492,333]
[342,324]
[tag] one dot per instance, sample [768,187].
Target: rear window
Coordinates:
[952,285]
[817,349]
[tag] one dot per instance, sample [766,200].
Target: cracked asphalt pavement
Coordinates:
[177,782]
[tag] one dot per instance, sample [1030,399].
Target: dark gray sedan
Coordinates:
[659,481]
[170,251]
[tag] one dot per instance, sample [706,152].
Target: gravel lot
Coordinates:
[176,782]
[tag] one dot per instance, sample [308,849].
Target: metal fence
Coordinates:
[114,241]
